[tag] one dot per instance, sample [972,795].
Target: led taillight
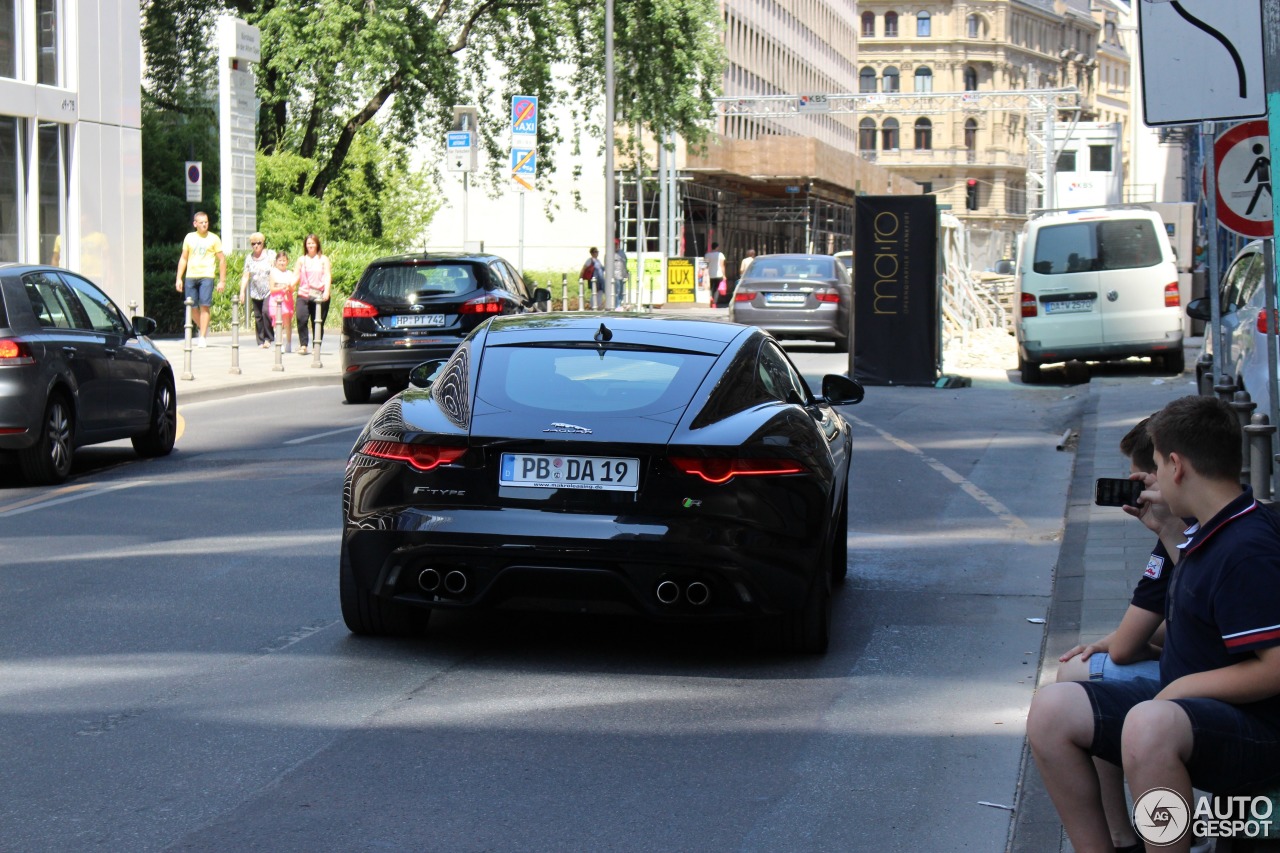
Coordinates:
[356,308]
[15,352]
[483,305]
[717,470]
[827,297]
[1171,297]
[743,295]
[1262,322]
[423,457]
[1029,305]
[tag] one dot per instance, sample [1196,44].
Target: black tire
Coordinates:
[808,631]
[356,390]
[840,544]
[163,429]
[371,616]
[1172,362]
[1030,371]
[48,461]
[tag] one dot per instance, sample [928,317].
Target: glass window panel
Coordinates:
[922,24]
[10,206]
[47,41]
[53,193]
[8,38]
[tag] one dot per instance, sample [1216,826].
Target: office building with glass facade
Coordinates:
[71,139]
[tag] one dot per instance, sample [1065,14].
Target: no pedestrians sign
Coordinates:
[1243,157]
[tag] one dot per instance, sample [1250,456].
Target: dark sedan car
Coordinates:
[676,468]
[410,308]
[74,371]
[807,297]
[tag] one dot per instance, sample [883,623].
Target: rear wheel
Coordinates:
[163,430]
[372,616]
[48,461]
[356,390]
[1030,371]
[1172,362]
[808,631]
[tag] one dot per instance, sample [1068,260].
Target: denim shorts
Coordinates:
[1102,668]
[1236,748]
[199,289]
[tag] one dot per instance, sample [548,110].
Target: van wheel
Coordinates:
[1172,362]
[1030,371]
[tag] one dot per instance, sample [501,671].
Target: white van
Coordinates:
[1095,285]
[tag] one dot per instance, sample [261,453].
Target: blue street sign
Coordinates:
[524,114]
[524,161]
[458,139]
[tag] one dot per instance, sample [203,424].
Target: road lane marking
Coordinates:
[63,496]
[996,508]
[307,438]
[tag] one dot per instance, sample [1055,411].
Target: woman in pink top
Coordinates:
[315,276]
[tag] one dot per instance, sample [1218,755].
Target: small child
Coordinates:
[283,281]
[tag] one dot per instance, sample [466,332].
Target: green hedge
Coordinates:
[164,303]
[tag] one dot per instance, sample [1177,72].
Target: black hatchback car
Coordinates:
[74,371]
[410,308]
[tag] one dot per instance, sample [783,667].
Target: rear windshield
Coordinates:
[566,379]
[792,268]
[1104,244]
[402,282]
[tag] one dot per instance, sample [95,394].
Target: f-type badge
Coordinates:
[570,428]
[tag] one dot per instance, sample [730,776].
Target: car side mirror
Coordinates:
[144,326]
[840,390]
[424,374]
[1199,309]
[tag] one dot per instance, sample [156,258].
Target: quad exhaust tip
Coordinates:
[455,582]
[429,580]
[696,593]
[668,592]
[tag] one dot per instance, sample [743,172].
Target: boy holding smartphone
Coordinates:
[1213,717]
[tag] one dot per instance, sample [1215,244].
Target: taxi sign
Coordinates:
[524,115]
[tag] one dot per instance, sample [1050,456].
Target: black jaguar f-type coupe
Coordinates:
[677,468]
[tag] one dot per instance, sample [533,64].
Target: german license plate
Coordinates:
[544,471]
[785,298]
[1068,306]
[402,321]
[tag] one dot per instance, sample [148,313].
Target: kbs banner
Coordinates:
[896,334]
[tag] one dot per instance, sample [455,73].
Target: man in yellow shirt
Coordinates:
[195,270]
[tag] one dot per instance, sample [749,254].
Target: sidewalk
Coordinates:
[213,378]
[1102,556]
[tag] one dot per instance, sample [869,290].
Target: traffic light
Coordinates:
[971,194]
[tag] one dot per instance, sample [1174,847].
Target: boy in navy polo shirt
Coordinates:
[1213,718]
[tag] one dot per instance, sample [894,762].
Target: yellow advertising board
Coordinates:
[682,280]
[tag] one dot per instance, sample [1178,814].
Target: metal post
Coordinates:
[317,333]
[664,218]
[520,251]
[642,229]
[1271,78]
[275,344]
[235,336]
[133,308]
[1221,357]
[610,186]
[1225,388]
[187,305]
[1258,435]
[1244,407]
[564,292]
[465,198]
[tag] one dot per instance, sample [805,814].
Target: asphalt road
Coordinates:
[174,672]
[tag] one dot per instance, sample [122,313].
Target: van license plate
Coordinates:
[1069,306]
[598,473]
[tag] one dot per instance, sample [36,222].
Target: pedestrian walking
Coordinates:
[255,287]
[715,273]
[315,277]
[201,256]
[593,275]
[280,299]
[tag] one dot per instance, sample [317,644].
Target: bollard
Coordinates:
[235,336]
[564,292]
[1225,387]
[133,308]
[275,344]
[1243,407]
[188,304]
[316,334]
[1258,435]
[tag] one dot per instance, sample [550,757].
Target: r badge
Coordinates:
[1154,567]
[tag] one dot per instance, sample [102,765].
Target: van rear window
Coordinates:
[1104,244]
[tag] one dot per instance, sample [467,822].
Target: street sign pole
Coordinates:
[1208,139]
[1271,78]
[610,190]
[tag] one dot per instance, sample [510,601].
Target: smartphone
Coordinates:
[1112,491]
